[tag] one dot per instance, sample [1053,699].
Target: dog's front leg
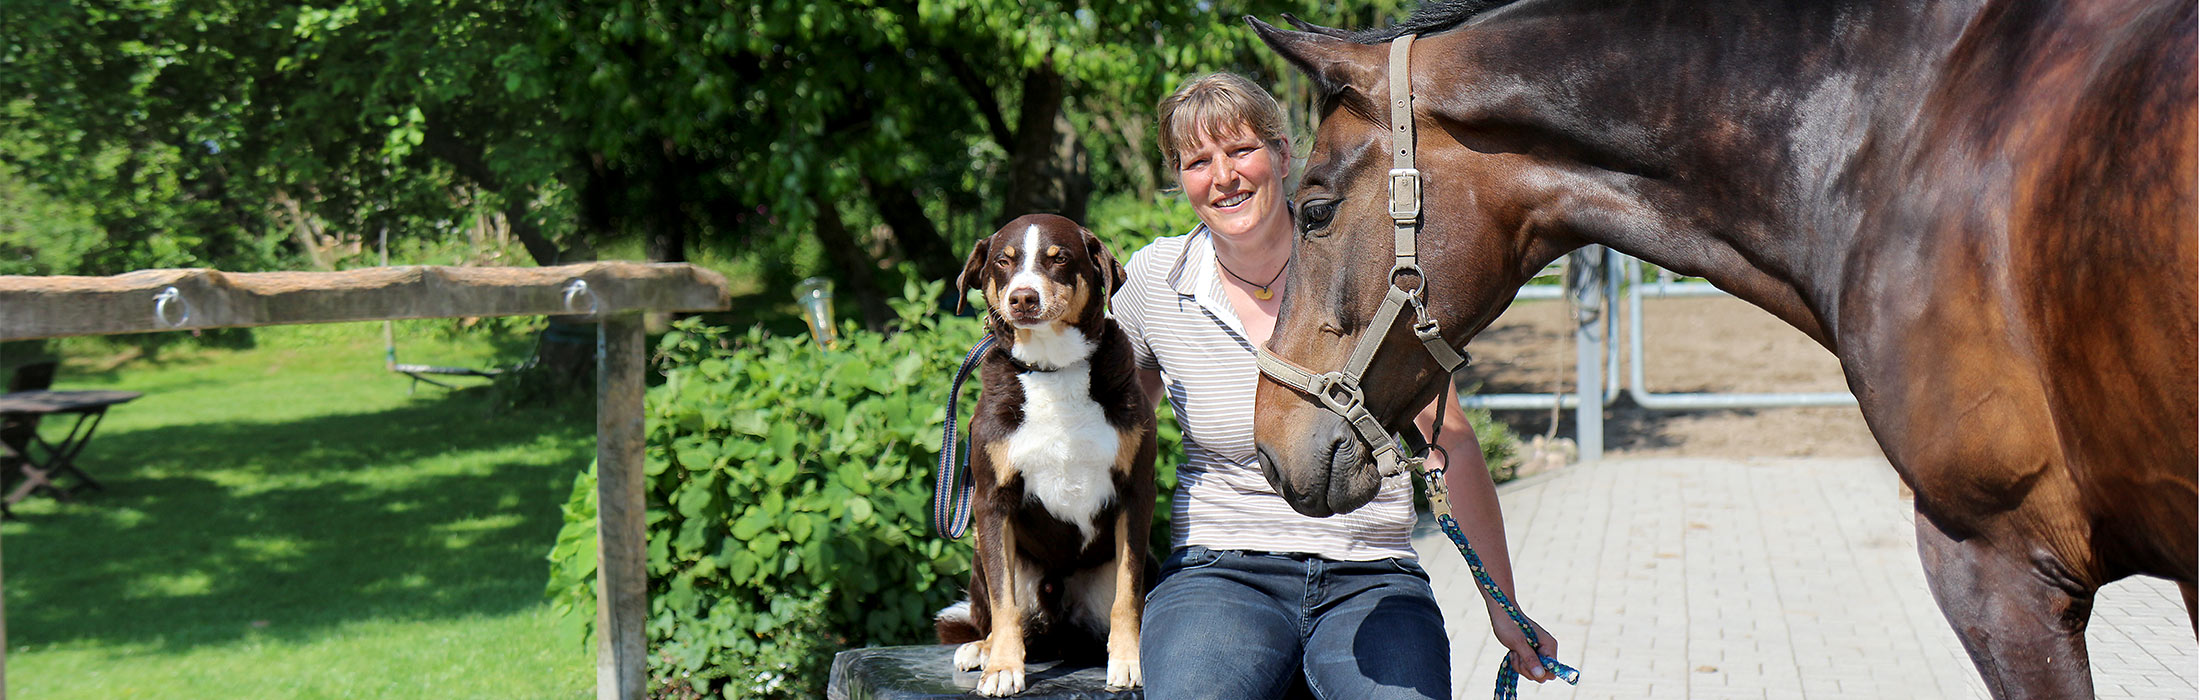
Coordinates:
[1004,645]
[1130,596]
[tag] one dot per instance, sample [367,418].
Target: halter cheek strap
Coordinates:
[1340,391]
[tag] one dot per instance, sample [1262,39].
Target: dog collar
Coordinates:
[1021,366]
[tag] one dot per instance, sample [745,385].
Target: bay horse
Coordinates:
[1984,208]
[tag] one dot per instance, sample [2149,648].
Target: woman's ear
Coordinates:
[972,267]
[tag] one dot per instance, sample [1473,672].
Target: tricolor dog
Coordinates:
[1061,463]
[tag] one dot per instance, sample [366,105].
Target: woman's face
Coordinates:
[1235,182]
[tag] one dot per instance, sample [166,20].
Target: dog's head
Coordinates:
[1041,271]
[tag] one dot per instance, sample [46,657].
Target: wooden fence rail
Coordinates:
[612,293]
[142,301]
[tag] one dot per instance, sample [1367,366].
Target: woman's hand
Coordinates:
[1524,656]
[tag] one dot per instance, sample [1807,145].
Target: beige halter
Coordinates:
[1340,391]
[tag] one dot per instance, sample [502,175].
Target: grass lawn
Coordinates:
[285,522]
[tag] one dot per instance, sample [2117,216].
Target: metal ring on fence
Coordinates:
[160,307]
[579,287]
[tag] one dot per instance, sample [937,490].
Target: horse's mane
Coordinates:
[1431,17]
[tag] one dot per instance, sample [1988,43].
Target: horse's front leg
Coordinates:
[2022,621]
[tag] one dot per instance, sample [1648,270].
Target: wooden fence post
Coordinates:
[622,598]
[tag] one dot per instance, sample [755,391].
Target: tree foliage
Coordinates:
[241,133]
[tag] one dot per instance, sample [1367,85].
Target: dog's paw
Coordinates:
[1123,673]
[1004,682]
[970,656]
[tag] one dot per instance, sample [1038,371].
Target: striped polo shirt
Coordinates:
[1180,323]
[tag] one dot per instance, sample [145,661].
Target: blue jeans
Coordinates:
[1238,625]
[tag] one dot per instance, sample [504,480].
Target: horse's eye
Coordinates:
[1314,216]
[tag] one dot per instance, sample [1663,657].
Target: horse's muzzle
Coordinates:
[1332,473]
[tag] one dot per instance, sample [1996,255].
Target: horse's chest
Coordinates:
[1065,448]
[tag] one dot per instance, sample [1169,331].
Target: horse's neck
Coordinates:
[1728,142]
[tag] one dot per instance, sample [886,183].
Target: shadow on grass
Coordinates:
[212,533]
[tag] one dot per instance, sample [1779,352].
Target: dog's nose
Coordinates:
[1024,302]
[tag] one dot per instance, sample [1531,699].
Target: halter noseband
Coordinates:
[1340,391]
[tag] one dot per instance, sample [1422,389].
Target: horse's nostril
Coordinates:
[1267,466]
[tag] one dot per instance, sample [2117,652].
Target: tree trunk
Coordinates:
[664,240]
[1049,170]
[1134,158]
[469,160]
[919,239]
[858,272]
[523,228]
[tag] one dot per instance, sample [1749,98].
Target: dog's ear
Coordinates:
[1111,272]
[971,269]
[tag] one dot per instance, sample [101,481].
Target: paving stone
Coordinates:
[1792,578]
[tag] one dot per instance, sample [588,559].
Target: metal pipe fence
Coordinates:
[1598,281]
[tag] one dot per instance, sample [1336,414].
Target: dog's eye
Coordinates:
[1061,258]
[1314,216]
[1003,261]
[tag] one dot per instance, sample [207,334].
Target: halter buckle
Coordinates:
[1338,393]
[1405,195]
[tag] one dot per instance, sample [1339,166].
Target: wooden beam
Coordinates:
[47,307]
[622,579]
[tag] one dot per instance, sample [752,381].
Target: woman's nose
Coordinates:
[1225,174]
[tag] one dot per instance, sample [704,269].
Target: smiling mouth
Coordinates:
[1233,200]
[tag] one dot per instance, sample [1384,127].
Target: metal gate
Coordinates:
[1593,283]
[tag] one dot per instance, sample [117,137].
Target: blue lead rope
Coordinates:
[1508,678]
[951,487]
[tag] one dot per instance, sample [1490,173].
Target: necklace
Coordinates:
[1262,292]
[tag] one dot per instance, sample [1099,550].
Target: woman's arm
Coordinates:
[1474,505]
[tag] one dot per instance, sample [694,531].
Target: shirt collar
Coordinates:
[1194,276]
[1181,275]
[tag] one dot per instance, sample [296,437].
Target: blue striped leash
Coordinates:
[951,487]
[1439,503]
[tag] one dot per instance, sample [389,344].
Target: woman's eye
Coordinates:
[1314,216]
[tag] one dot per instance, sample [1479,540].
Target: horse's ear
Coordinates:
[1338,65]
[971,269]
[1305,26]
[1111,272]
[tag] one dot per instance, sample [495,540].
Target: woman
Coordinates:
[1255,596]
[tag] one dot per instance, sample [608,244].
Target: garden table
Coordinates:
[28,407]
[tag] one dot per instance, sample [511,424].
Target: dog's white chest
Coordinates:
[1065,448]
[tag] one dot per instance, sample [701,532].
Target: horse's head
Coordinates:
[1481,235]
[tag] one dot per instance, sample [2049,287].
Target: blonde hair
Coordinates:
[1215,105]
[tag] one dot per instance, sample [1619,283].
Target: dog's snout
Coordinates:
[1024,301]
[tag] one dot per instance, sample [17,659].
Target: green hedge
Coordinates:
[789,495]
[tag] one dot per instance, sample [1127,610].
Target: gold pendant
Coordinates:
[1263,294]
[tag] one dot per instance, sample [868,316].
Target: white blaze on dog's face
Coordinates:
[1045,280]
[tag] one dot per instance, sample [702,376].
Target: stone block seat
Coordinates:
[928,672]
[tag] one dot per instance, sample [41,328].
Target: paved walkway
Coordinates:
[1775,579]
